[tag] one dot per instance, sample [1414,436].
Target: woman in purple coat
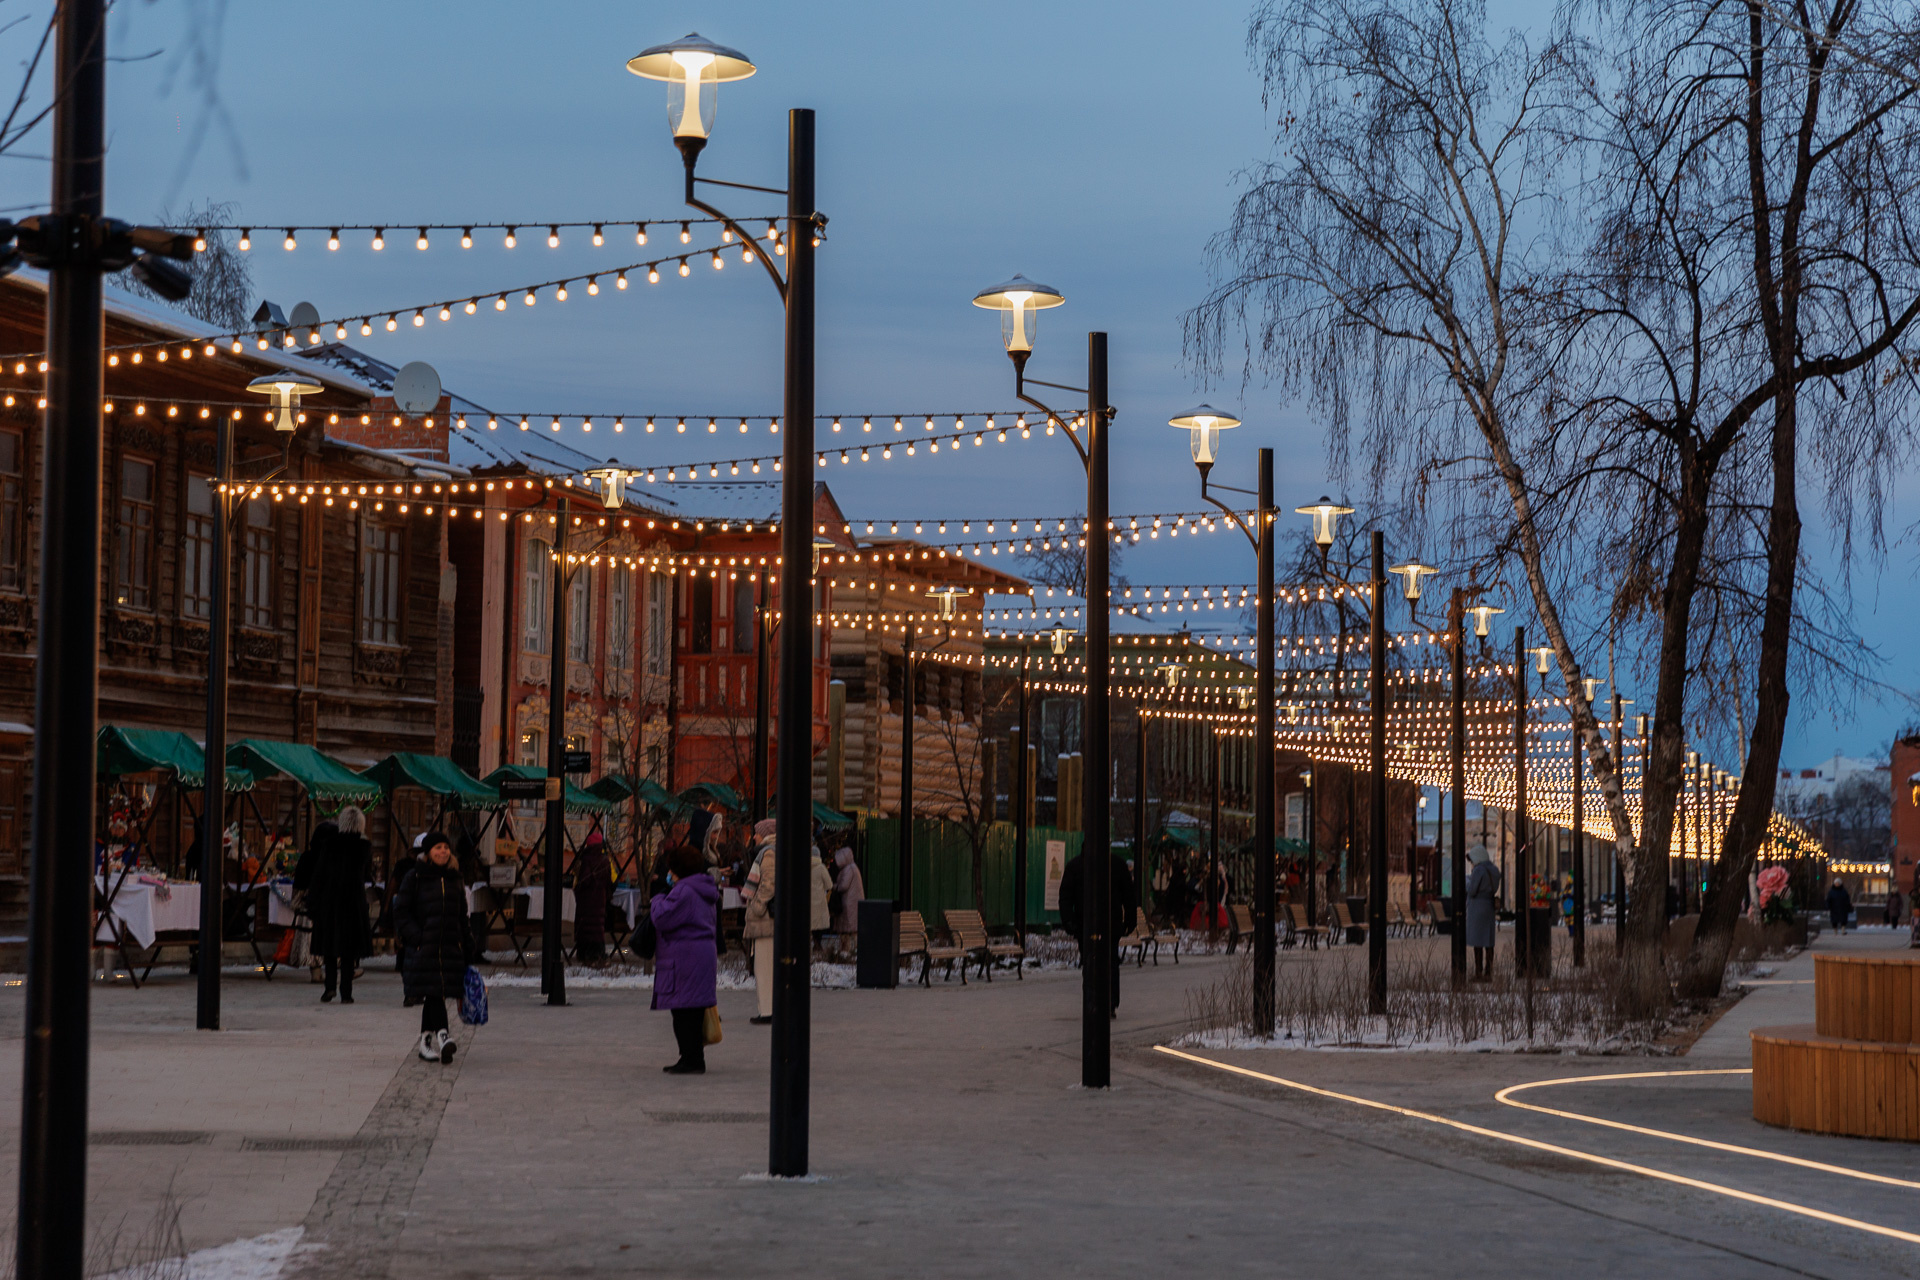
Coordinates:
[686,918]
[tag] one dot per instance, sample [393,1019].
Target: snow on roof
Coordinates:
[124,305]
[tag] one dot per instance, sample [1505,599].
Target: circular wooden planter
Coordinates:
[1856,1071]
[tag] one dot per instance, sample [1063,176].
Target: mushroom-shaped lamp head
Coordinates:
[286,390]
[693,67]
[1326,514]
[613,484]
[1481,613]
[1205,423]
[1018,301]
[1411,572]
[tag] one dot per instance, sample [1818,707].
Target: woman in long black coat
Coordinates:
[337,901]
[430,915]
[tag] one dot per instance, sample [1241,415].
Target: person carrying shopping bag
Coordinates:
[685,972]
[430,916]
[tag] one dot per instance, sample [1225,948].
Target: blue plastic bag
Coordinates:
[473,1000]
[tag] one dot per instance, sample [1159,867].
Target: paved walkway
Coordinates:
[949,1139]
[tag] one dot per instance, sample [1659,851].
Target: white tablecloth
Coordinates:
[145,913]
[537,907]
[629,902]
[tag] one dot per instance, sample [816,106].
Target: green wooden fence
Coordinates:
[943,868]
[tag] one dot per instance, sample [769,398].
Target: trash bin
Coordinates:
[877,961]
[1540,941]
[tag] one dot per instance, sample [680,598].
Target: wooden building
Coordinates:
[342,614]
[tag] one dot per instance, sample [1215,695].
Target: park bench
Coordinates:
[1137,939]
[1241,916]
[1301,927]
[1344,923]
[1398,920]
[1144,935]
[915,941]
[969,932]
[1437,916]
[1169,936]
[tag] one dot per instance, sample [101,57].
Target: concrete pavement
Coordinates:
[949,1139]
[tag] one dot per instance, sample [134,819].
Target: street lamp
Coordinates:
[1457,610]
[1204,424]
[613,484]
[1481,613]
[1410,574]
[286,390]
[693,68]
[1325,514]
[1018,301]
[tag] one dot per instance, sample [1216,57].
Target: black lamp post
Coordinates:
[693,68]
[77,246]
[1019,302]
[1022,819]
[1204,425]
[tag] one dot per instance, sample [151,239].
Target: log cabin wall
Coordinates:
[308,662]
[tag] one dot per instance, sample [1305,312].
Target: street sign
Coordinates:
[523,788]
[578,762]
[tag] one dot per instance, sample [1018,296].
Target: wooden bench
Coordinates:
[915,941]
[1169,936]
[1398,919]
[969,932]
[1344,923]
[1138,938]
[1241,917]
[1437,917]
[1301,927]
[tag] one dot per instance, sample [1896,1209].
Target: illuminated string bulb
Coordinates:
[420,241]
[466,237]
[512,239]
[380,238]
[683,267]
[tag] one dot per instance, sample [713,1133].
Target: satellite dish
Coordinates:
[306,319]
[416,389]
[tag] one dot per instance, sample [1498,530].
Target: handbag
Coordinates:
[711,1028]
[473,999]
[645,939]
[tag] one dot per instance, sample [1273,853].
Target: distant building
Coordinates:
[1905,782]
[1803,791]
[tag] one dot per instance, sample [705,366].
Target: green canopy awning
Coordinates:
[714,793]
[436,774]
[617,787]
[821,813]
[122,750]
[324,779]
[578,801]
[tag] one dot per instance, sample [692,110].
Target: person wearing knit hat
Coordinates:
[430,916]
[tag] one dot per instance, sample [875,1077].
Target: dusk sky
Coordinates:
[1091,146]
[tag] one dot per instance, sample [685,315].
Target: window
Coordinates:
[133,536]
[580,615]
[379,583]
[257,597]
[196,551]
[721,686]
[702,616]
[13,517]
[620,620]
[536,568]
[533,748]
[745,621]
[659,597]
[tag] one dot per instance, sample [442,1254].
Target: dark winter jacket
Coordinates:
[1123,898]
[430,915]
[337,895]
[592,886]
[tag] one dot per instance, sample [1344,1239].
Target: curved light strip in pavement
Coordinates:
[1661,1175]
[1505,1096]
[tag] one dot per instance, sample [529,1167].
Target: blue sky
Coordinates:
[1093,146]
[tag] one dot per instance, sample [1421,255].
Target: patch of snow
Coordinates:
[260,1258]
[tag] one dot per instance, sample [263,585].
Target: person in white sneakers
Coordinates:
[430,915]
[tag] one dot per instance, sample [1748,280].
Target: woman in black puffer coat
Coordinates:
[430,915]
[337,900]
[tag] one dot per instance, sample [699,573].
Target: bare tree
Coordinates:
[961,792]
[1756,200]
[1061,563]
[1385,264]
[222,293]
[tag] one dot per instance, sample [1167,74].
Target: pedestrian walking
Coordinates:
[1839,906]
[685,970]
[337,901]
[1483,900]
[592,887]
[1122,901]
[430,916]
[821,893]
[1896,903]
[757,931]
[849,887]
